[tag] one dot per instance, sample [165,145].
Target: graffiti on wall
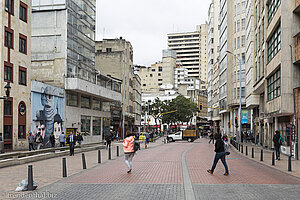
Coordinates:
[47,110]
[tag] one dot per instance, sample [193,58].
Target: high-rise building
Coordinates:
[15,51]
[63,55]
[191,50]
[213,61]
[114,57]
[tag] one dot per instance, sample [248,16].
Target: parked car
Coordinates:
[189,135]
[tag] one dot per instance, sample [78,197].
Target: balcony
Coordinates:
[297,48]
[297,6]
[89,88]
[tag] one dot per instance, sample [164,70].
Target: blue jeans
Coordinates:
[220,155]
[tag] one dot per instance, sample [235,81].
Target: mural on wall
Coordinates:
[47,110]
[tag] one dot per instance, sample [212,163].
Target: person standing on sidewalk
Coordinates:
[52,140]
[62,139]
[79,139]
[220,154]
[277,139]
[72,141]
[108,139]
[30,141]
[38,140]
[128,150]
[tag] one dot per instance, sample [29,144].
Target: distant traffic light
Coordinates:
[200,106]
[236,122]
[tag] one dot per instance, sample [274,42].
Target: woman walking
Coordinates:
[128,150]
[220,154]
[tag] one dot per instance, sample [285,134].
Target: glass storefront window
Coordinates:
[96,104]
[21,134]
[106,106]
[96,125]
[7,132]
[85,124]
[106,125]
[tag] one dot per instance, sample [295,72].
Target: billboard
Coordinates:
[244,116]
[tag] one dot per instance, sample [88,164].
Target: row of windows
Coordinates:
[9,40]
[8,74]
[273,86]
[272,8]
[259,67]
[9,7]
[86,101]
[274,44]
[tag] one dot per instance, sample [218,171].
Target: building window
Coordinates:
[7,108]
[160,84]
[23,44]
[22,132]
[273,86]
[96,126]
[22,76]
[159,79]
[151,75]
[243,24]
[238,25]
[8,40]
[7,132]
[274,44]
[160,69]
[243,41]
[96,104]
[272,8]
[108,49]
[159,74]
[153,70]
[243,58]
[238,42]
[86,124]
[144,85]
[8,73]
[23,11]
[72,99]
[263,62]
[9,6]
[85,102]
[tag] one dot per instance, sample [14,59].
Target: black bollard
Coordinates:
[83,161]
[246,150]
[290,164]
[252,152]
[30,178]
[64,167]
[99,156]
[109,153]
[242,148]
[261,155]
[118,153]
[273,158]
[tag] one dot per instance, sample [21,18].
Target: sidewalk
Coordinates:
[281,165]
[48,171]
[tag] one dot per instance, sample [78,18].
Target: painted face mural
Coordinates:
[48,118]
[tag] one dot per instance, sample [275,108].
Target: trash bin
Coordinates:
[1,147]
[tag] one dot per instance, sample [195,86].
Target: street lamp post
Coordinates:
[148,115]
[7,91]
[240,106]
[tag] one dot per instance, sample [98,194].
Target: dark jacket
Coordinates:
[74,139]
[79,137]
[277,139]
[52,139]
[219,146]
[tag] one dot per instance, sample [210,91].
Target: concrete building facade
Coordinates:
[114,57]
[15,51]
[63,55]
[191,49]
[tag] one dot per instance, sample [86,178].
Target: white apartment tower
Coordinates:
[191,49]
[213,60]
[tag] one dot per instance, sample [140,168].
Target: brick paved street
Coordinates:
[159,173]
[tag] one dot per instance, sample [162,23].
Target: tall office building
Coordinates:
[191,49]
[63,55]
[15,51]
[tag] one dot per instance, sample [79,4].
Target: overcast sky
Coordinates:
[146,23]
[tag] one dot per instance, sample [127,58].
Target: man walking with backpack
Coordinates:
[278,140]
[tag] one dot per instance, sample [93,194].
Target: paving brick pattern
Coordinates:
[241,169]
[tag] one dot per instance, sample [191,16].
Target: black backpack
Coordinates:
[136,146]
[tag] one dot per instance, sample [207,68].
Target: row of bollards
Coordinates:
[240,148]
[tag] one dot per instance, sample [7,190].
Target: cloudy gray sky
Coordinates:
[146,23]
